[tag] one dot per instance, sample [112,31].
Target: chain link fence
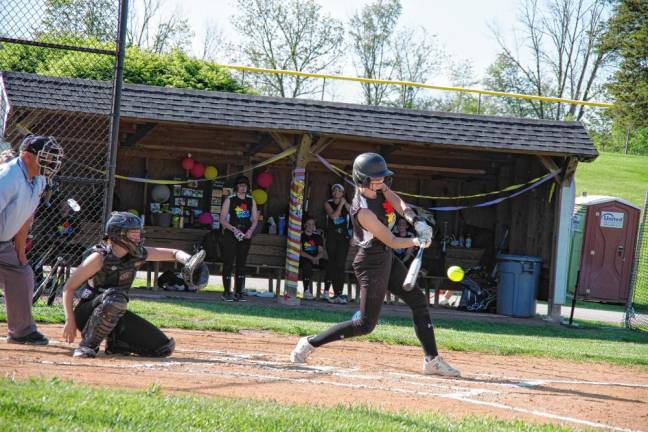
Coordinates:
[45,47]
[637,308]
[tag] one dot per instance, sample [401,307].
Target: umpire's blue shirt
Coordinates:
[19,197]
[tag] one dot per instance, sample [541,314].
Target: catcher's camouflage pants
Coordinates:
[132,334]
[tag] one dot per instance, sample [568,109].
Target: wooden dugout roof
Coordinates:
[296,116]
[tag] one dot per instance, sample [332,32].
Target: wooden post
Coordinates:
[293,249]
[564,207]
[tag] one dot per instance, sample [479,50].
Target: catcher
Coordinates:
[106,275]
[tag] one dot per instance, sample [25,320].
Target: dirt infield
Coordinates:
[255,365]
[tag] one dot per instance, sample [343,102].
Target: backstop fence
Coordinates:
[45,48]
[636,316]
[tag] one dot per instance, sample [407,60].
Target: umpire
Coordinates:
[22,181]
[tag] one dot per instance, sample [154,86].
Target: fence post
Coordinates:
[635,280]
[113,142]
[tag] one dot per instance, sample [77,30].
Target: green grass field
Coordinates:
[54,405]
[591,342]
[616,175]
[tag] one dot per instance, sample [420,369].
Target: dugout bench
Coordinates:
[267,259]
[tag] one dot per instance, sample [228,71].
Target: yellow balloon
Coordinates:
[211,172]
[260,196]
[455,273]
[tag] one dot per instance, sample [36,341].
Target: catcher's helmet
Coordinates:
[367,166]
[49,153]
[117,229]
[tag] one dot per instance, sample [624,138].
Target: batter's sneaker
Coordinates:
[84,352]
[301,351]
[438,366]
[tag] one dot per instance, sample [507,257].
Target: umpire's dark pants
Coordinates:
[378,270]
[17,280]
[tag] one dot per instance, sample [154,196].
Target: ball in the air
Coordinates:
[455,273]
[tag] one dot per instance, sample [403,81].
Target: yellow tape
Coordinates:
[269,161]
[413,84]
[479,195]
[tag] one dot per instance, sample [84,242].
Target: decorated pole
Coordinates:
[293,249]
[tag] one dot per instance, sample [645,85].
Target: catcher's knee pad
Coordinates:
[103,320]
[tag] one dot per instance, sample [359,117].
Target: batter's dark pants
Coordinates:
[378,270]
[131,331]
[337,247]
[234,252]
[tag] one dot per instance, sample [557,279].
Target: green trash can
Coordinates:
[517,289]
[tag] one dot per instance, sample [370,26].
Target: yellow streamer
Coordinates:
[479,195]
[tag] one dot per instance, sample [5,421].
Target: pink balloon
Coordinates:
[205,218]
[187,164]
[198,170]
[264,179]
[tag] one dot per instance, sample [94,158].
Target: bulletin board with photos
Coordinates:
[190,200]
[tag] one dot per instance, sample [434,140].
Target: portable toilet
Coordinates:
[604,237]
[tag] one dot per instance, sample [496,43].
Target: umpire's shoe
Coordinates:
[301,351]
[33,338]
[438,366]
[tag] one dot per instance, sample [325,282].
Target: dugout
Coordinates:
[433,154]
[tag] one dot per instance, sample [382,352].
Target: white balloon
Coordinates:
[160,193]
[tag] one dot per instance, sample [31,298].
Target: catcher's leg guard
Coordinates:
[112,306]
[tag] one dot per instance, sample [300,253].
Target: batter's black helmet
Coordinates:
[367,166]
[117,229]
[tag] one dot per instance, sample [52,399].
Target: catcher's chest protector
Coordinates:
[116,272]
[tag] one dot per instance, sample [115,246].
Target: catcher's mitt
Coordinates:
[195,273]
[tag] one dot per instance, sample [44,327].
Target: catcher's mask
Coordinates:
[370,165]
[117,228]
[49,153]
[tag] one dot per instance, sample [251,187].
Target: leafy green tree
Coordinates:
[94,19]
[294,35]
[557,54]
[175,69]
[627,40]
[372,32]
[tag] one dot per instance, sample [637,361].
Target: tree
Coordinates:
[175,69]
[371,30]
[505,74]
[214,44]
[292,35]
[560,42]
[416,57]
[627,40]
[149,28]
[461,75]
[95,19]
